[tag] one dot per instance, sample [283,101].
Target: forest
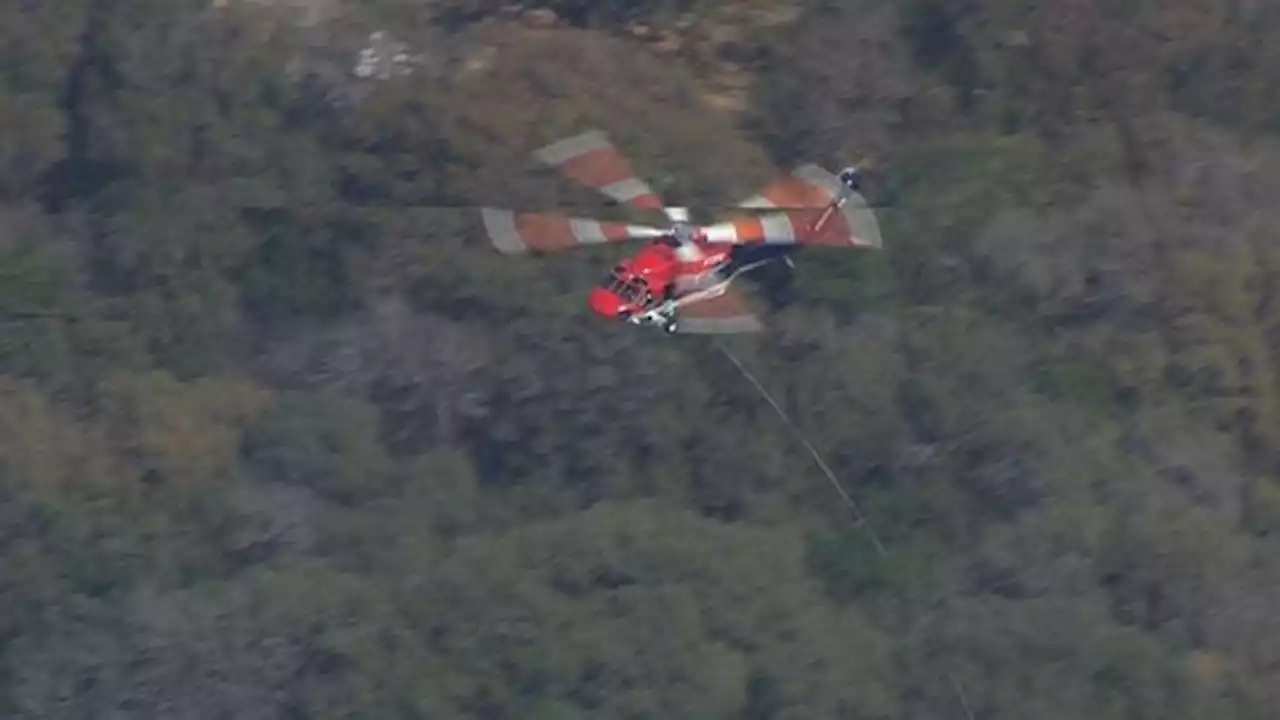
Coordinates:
[281,436]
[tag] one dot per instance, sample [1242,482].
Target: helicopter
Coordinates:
[681,279]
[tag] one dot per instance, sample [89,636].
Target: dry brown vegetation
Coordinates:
[281,437]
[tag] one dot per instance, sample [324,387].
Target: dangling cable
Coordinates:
[859,518]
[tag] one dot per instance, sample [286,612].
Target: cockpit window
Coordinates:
[630,290]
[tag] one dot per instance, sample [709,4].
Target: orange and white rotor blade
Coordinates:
[810,212]
[807,186]
[514,233]
[849,225]
[725,313]
[591,159]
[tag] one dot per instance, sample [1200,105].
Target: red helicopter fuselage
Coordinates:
[648,276]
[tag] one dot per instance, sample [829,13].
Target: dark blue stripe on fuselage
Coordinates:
[749,254]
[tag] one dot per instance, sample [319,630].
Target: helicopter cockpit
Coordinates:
[631,290]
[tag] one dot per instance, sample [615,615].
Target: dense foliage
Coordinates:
[280,436]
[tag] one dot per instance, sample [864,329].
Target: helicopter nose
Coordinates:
[605,303]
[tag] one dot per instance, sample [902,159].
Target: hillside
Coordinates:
[282,436]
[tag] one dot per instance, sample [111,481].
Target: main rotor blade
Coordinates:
[850,225]
[806,186]
[676,214]
[516,233]
[591,158]
[702,209]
